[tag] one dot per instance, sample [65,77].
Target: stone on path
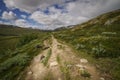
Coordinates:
[102,78]
[80,66]
[53,64]
[83,60]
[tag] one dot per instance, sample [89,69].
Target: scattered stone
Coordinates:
[53,64]
[59,79]
[83,60]
[30,72]
[69,65]
[80,66]
[102,78]
[108,22]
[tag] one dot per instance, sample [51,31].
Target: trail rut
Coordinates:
[56,69]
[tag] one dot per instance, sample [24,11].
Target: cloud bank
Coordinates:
[8,15]
[51,14]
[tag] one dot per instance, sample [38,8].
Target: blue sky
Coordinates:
[51,14]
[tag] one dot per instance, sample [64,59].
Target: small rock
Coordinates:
[30,72]
[69,65]
[83,60]
[59,79]
[53,64]
[102,78]
[80,66]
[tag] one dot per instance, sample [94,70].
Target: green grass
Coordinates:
[64,68]
[85,74]
[97,42]
[11,67]
[14,59]
[49,76]
[90,43]
[58,59]
[66,72]
[7,44]
[45,61]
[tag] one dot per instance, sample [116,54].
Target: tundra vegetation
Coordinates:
[96,40]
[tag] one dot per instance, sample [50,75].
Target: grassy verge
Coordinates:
[45,61]
[19,59]
[49,76]
[97,44]
[64,68]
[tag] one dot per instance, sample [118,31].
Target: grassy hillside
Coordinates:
[9,36]
[99,41]
[17,48]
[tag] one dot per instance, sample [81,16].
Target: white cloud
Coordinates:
[30,5]
[23,16]
[8,15]
[56,19]
[92,8]
[77,11]
[21,23]
[40,17]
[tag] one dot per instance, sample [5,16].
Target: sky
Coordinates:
[52,14]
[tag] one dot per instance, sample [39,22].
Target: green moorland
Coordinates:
[97,41]
[18,46]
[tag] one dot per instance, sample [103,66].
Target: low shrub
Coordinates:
[45,61]
[24,39]
[85,74]
[20,60]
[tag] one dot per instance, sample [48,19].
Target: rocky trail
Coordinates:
[59,62]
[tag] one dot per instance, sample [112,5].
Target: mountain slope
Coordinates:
[104,19]
[18,46]
[10,35]
[87,51]
[98,40]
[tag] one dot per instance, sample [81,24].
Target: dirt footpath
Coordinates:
[63,64]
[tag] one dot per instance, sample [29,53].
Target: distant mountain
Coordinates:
[10,30]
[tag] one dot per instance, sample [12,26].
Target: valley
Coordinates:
[87,51]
